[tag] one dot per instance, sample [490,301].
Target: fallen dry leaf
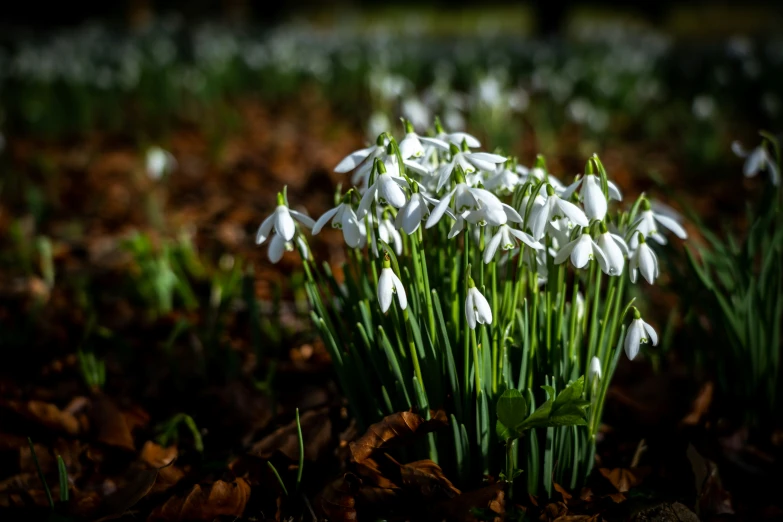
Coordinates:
[426,478]
[395,430]
[338,500]
[623,479]
[140,480]
[460,508]
[560,489]
[47,415]
[162,458]
[114,426]
[206,502]
[316,432]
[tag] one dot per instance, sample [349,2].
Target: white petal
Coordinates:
[526,239]
[594,199]
[367,199]
[351,161]
[672,225]
[483,311]
[486,157]
[324,219]
[651,333]
[633,337]
[753,163]
[411,146]
[599,255]
[572,212]
[351,229]
[582,250]
[621,243]
[435,142]
[418,168]
[647,263]
[443,173]
[385,289]
[738,149]
[492,246]
[774,173]
[614,192]
[565,252]
[457,227]
[400,290]
[458,137]
[284,223]
[276,248]
[570,189]
[265,229]
[303,251]
[512,214]
[470,313]
[303,218]
[439,209]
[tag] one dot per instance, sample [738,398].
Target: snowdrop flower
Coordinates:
[614,248]
[507,238]
[469,198]
[411,145]
[594,371]
[387,189]
[757,160]
[282,219]
[389,234]
[362,158]
[646,225]
[278,246]
[477,310]
[388,285]
[644,260]
[552,207]
[158,162]
[343,217]
[592,195]
[638,332]
[582,250]
[503,181]
[414,211]
[470,162]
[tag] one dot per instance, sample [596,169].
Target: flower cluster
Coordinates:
[453,247]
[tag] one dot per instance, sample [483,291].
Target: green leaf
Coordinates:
[566,409]
[512,407]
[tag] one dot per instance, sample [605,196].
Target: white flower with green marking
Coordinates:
[282,220]
[477,309]
[638,333]
[390,285]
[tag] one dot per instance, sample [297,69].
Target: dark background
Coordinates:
[549,15]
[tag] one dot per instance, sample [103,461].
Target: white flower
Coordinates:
[388,285]
[582,250]
[278,245]
[503,181]
[389,235]
[158,162]
[470,162]
[363,159]
[457,138]
[413,212]
[282,219]
[387,189]
[591,195]
[756,161]
[477,310]
[638,332]
[553,207]
[468,198]
[507,238]
[594,371]
[644,260]
[615,249]
[411,145]
[343,217]
[646,225]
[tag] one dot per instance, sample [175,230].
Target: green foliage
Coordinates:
[567,409]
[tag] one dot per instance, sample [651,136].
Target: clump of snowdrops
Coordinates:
[483,287]
[743,279]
